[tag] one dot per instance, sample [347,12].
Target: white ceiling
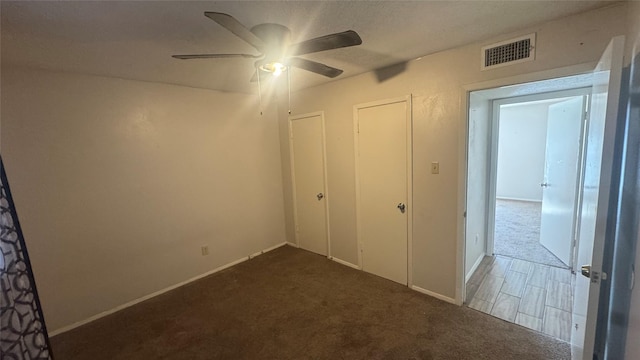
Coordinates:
[135,39]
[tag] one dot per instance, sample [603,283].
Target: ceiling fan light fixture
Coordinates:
[275,68]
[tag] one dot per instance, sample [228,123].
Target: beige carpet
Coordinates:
[517,233]
[292,304]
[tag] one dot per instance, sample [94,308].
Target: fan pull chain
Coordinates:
[289,87]
[259,89]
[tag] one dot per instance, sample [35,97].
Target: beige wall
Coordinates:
[119,183]
[439,109]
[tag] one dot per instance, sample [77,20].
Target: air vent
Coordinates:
[509,52]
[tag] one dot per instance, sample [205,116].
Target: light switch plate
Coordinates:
[435,167]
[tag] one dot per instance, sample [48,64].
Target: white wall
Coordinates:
[477,178]
[521,151]
[439,116]
[119,183]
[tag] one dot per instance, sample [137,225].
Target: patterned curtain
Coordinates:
[23,335]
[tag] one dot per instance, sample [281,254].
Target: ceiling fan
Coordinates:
[273,43]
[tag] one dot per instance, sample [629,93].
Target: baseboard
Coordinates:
[159,292]
[517,199]
[267,250]
[292,244]
[474,268]
[433,294]
[345,263]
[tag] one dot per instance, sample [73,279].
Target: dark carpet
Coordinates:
[292,304]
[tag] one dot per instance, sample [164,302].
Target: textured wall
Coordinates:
[439,126]
[119,183]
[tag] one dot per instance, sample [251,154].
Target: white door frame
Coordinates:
[324,170]
[409,124]
[493,157]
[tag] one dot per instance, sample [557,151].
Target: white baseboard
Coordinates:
[474,268]
[518,199]
[159,292]
[292,244]
[345,263]
[267,250]
[435,295]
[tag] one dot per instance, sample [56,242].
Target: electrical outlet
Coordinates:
[435,167]
[205,250]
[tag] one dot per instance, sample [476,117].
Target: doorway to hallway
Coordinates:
[595,189]
[535,176]
[530,155]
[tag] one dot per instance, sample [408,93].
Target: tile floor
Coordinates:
[532,295]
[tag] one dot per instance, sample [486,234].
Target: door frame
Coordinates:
[290,121]
[507,85]
[494,129]
[356,144]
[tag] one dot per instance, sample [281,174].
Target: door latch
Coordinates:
[401,207]
[320,196]
[595,276]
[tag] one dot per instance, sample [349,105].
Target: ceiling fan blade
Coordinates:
[315,67]
[214,56]
[327,42]
[230,23]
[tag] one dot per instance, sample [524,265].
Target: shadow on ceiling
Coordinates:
[385,73]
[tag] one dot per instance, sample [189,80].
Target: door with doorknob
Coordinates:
[561,175]
[309,182]
[383,172]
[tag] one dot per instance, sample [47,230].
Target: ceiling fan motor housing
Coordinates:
[277,39]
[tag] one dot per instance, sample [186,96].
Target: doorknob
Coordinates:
[320,196]
[401,207]
[585,270]
[544,185]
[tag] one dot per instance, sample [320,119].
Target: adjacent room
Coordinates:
[294,179]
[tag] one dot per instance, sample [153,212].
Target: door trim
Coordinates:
[290,121]
[409,165]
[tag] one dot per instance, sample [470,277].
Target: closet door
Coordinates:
[383,163]
[309,182]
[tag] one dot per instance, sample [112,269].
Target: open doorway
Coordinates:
[538,142]
[525,152]
[546,298]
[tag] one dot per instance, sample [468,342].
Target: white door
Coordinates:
[383,133]
[562,155]
[308,173]
[600,139]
